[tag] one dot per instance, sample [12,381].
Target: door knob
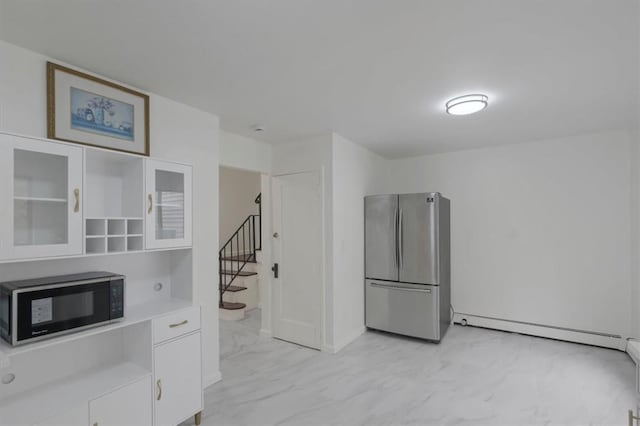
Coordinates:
[275,235]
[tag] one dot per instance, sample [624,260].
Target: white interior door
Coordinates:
[298,250]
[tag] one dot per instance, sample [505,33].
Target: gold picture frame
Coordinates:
[88,110]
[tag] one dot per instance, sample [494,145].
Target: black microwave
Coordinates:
[40,308]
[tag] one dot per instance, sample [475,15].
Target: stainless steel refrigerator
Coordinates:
[407,264]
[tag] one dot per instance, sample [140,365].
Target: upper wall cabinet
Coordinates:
[169,194]
[41,183]
[67,200]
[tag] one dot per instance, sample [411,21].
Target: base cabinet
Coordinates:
[76,416]
[177,381]
[129,405]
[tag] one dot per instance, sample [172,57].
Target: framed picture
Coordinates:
[85,109]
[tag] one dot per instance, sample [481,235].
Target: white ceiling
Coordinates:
[376,71]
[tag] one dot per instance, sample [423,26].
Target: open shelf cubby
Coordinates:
[114,234]
[114,185]
[116,226]
[134,243]
[134,227]
[95,227]
[116,244]
[95,245]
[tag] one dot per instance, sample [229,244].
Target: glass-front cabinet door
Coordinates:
[168,187]
[43,218]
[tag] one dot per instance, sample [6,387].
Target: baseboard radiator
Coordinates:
[606,340]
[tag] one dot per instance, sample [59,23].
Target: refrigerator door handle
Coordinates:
[400,240]
[393,287]
[395,231]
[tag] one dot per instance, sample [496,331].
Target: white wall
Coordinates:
[356,172]
[178,132]
[245,153]
[307,155]
[541,231]
[238,190]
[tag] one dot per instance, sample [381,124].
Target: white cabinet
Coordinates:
[169,193]
[43,215]
[129,405]
[67,200]
[76,416]
[177,380]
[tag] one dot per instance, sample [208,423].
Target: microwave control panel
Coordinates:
[117,299]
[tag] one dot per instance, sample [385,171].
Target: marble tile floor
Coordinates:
[474,377]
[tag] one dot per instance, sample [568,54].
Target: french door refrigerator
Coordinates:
[407,264]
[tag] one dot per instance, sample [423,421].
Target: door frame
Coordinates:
[268,318]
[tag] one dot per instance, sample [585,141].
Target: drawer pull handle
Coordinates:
[150,203]
[159,385]
[178,324]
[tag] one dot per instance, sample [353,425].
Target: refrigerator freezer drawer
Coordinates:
[408,309]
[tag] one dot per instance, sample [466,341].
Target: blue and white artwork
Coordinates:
[101,115]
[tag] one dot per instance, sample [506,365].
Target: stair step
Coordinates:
[241,258]
[235,288]
[233,306]
[240,274]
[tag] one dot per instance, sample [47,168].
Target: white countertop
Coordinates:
[133,315]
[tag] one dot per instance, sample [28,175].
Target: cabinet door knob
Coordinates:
[159,385]
[76,196]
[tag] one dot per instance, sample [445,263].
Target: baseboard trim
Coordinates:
[266,333]
[633,349]
[212,379]
[578,336]
[328,349]
[344,342]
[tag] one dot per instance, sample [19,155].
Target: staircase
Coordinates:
[237,262]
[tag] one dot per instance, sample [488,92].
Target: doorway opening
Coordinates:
[240,242]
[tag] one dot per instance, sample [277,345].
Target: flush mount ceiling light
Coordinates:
[467,104]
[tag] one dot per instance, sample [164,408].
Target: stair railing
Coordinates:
[240,249]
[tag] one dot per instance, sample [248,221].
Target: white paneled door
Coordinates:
[298,250]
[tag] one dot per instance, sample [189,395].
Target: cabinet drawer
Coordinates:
[408,309]
[177,324]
